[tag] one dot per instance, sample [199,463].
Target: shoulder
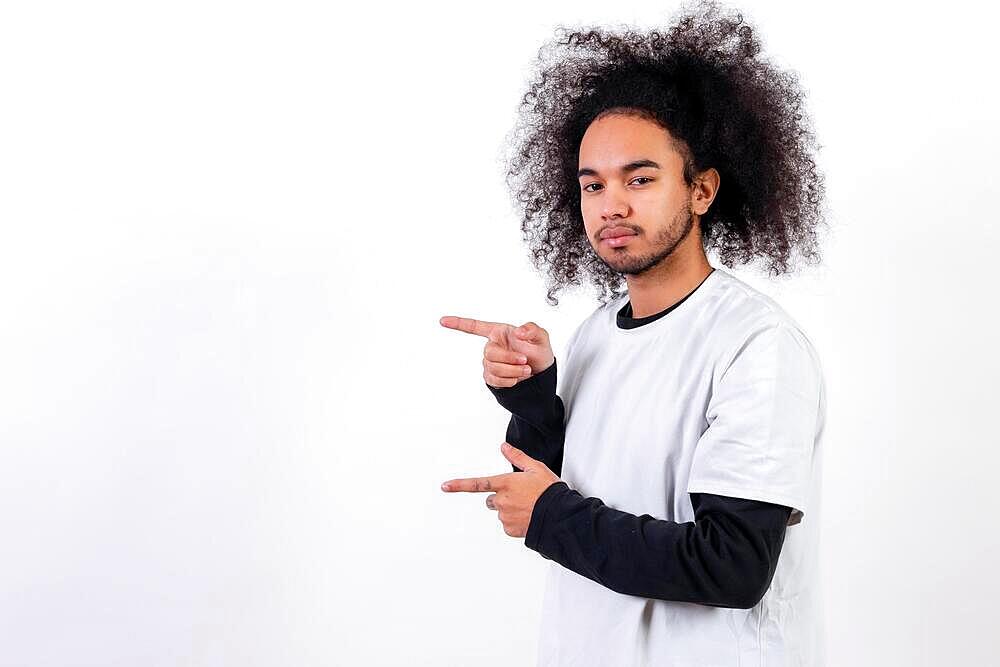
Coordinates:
[744,320]
[600,320]
[735,303]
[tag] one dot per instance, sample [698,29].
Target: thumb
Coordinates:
[517,457]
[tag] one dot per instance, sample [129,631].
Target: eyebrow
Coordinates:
[624,169]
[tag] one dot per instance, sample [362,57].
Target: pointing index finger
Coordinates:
[468,325]
[477,484]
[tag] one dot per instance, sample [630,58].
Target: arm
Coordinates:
[536,424]
[725,558]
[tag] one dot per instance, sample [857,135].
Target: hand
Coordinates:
[515,492]
[510,355]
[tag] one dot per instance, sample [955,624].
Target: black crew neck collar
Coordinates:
[626,321]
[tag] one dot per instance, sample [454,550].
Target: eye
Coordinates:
[638,178]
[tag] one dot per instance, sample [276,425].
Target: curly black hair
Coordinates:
[705,81]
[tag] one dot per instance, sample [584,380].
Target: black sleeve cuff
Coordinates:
[533,400]
[536,525]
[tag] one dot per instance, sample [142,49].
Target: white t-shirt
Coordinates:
[724,395]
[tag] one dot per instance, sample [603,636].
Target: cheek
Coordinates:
[590,209]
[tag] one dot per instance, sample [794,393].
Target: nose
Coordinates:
[615,206]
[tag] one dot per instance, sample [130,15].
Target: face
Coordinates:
[631,180]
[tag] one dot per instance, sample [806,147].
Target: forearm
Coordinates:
[546,448]
[725,558]
[536,424]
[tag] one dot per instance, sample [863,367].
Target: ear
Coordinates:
[703,191]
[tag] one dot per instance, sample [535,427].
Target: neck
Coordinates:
[669,281]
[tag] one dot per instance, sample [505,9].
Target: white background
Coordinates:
[226,403]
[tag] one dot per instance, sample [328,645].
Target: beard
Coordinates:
[625,262]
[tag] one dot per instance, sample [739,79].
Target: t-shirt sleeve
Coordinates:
[763,416]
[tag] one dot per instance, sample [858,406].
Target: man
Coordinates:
[669,478]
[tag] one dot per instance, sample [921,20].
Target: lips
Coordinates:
[615,232]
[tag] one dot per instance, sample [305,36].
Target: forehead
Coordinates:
[617,138]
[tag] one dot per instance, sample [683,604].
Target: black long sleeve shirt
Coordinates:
[724,558]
